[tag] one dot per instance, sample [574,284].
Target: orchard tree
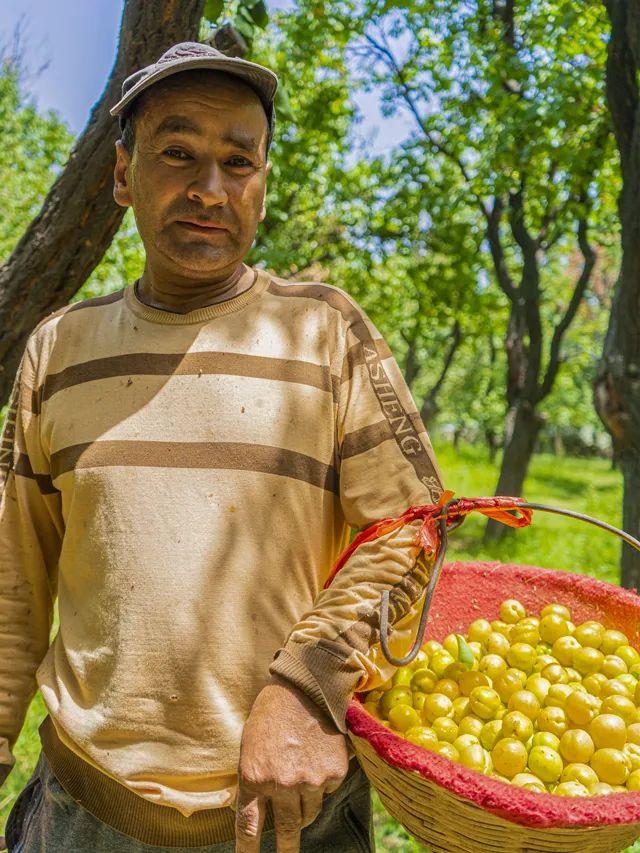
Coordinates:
[422,284]
[33,148]
[82,244]
[511,95]
[304,230]
[617,385]
[78,219]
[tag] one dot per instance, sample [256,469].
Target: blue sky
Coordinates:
[77,38]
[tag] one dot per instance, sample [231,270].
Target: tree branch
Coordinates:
[429,405]
[78,218]
[493,216]
[529,289]
[455,341]
[504,11]
[412,368]
[589,257]
[385,52]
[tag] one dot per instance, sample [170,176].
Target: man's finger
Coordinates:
[287,819]
[332,785]
[311,806]
[250,811]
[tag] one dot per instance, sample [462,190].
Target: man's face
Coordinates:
[200,141]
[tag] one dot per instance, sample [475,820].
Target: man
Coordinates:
[182,461]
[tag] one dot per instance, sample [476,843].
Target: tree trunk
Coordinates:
[411,368]
[523,428]
[492,443]
[630,564]
[617,384]
[526,386]
[428,410]
[78,219]
[558,444]
[519,432]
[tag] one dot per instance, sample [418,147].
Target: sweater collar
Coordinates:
[198,315]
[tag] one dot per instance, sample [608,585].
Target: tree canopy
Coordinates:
[466,243]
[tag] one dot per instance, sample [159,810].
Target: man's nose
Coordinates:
[208,186]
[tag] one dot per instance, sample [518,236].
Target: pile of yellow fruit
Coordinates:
[532,700]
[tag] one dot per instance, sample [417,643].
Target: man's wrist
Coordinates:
[307,701]
[282,681]
[324,672]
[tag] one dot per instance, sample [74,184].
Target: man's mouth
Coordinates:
[200,227]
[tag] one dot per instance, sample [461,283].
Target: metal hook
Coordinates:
[571,513]
[435,574]
[433,580]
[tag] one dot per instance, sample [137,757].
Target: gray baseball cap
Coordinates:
[191,54]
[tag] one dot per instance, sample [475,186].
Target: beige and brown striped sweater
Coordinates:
[184,483]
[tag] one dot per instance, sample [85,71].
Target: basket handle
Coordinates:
[442,520]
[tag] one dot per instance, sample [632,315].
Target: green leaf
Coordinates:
[283,104]
[465,655]
[258,12]
[245,27]
[244,13]
[213,9]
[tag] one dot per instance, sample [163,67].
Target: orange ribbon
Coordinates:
[499,508]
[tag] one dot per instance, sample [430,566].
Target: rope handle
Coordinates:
[440,518]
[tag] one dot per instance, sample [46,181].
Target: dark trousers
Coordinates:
[45,819]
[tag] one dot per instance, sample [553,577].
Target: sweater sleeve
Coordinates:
[31,530]
[386,463]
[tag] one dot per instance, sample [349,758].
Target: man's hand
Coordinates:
[292,754]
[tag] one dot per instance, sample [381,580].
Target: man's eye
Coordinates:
[178,154]
[175,152]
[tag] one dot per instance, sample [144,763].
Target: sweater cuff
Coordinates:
[322,672]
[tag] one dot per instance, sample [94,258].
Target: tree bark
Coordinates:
[78,219]
[617,383]
[523,426]
[527,385]
[412,367]
[630,564]
[492,442]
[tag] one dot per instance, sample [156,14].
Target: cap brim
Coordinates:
[257,76]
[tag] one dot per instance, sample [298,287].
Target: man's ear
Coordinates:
[263,211]
[121,190]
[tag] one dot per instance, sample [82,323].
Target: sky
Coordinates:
[77,39]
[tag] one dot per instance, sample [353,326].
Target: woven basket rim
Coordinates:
[507,801]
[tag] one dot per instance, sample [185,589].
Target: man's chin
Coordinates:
[199,259]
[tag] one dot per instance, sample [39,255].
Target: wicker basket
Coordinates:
[455,810]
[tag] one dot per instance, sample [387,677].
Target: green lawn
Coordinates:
[590,486]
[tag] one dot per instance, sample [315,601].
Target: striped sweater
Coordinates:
[183,483]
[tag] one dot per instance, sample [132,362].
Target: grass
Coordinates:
[590,486]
